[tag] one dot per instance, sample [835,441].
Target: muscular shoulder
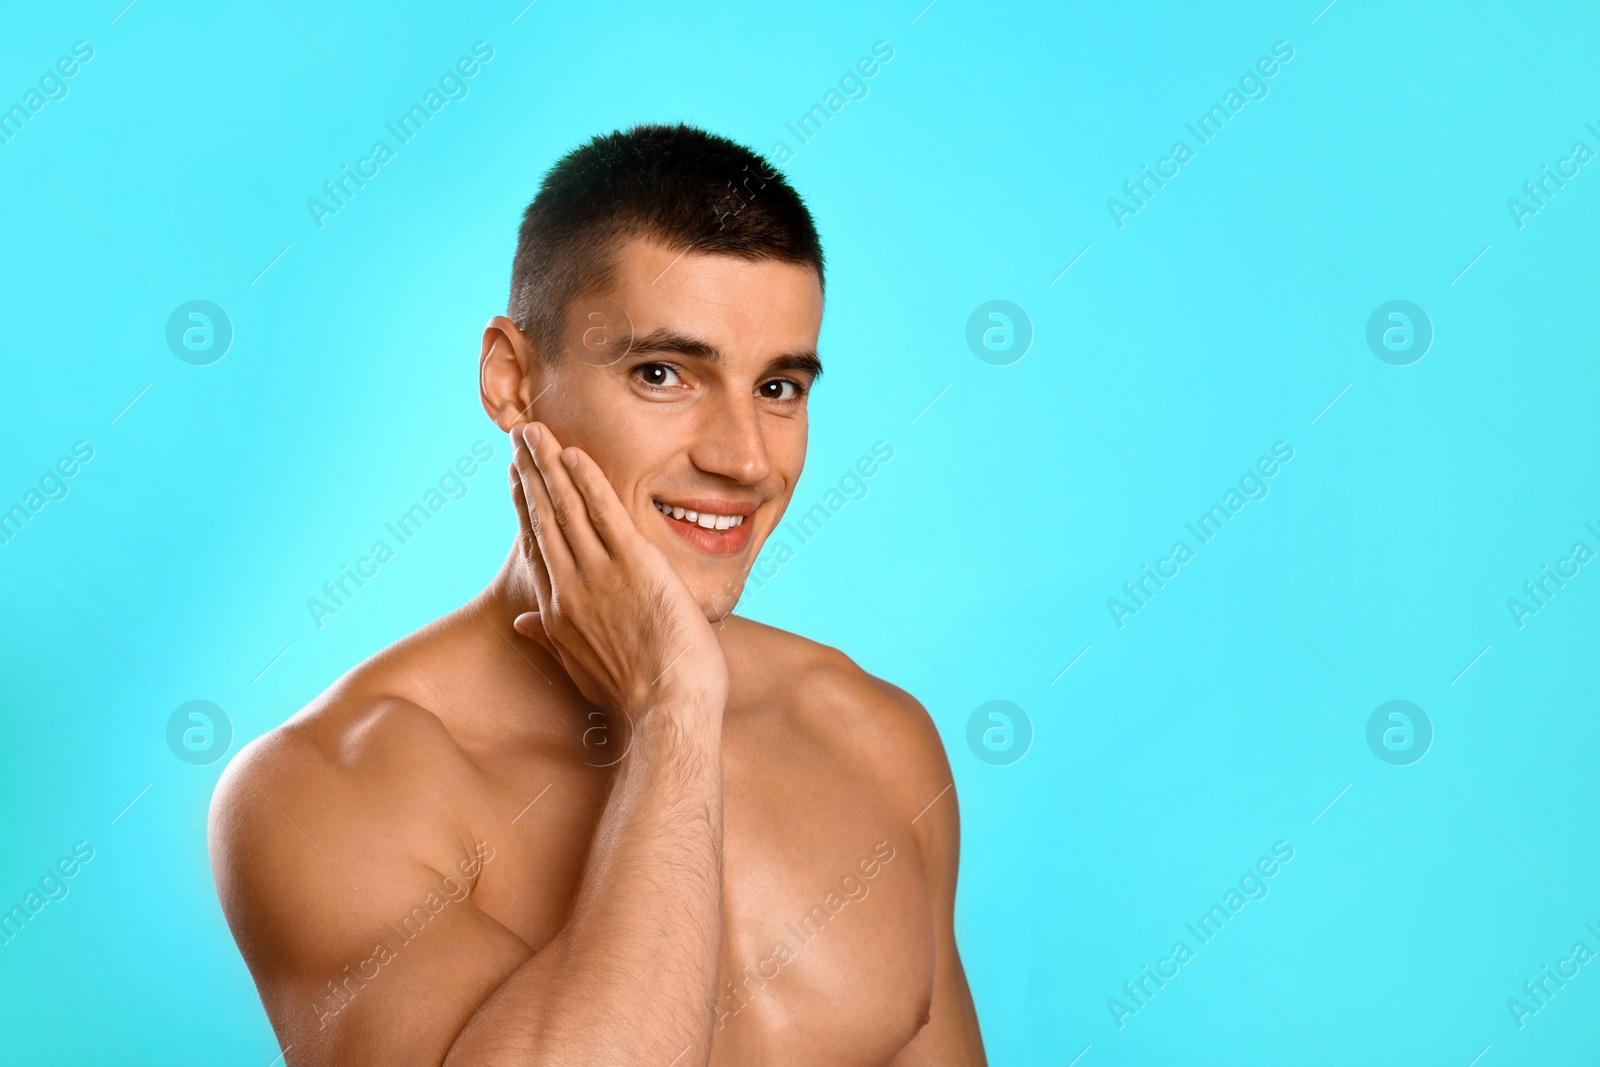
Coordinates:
[863,719]
[312,820]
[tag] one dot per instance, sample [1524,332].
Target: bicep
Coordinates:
[364,943]
[395,992]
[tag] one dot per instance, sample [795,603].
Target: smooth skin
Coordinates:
[591,817]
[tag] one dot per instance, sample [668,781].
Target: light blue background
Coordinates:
[1223,317]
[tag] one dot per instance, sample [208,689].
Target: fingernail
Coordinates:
[569,456]
[530,434]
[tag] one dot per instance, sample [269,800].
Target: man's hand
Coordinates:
[611,607]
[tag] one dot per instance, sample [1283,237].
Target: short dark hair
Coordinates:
[689,189]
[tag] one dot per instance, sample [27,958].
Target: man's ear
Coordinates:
[510,374]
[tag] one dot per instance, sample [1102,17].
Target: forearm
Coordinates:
[631,977]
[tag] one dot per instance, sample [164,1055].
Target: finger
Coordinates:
[530,624]
[566,502]
[530,544]
[541,515]
[609,518]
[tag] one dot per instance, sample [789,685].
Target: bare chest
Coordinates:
[828,947]
[828,940]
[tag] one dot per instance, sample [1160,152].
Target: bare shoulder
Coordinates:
[361,790]
[336,840]
[865,719]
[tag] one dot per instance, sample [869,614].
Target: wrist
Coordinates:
[693,716]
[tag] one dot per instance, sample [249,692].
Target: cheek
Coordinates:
[786,446]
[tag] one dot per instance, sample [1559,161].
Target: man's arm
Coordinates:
[951,1036]
[630,976]
[895,734]
[347,872]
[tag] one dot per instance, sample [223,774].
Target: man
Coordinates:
[592,817]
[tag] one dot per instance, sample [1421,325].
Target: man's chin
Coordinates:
[717,598]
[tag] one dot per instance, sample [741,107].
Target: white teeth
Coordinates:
[705,520]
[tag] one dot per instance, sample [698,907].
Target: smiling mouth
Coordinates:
[715,527]
[706,520]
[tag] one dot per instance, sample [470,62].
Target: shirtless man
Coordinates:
[591,817]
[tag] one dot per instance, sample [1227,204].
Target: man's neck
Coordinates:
[511,593]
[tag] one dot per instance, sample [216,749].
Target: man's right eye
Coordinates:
[657,375]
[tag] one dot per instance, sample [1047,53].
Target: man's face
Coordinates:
[687,382]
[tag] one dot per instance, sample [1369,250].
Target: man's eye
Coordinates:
[780,389]
[656,375]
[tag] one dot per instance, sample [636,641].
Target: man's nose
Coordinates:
[730,441]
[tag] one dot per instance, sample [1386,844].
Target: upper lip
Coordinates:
[703,506]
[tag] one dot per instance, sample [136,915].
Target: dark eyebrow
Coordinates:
[663,339]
